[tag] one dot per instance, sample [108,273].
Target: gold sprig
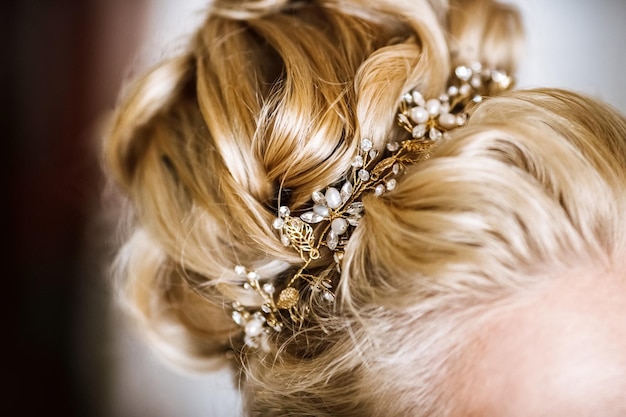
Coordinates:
[339,209]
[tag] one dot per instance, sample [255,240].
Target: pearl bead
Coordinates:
[278,223]
[463,73]
[419,115]
[447,121]
[333,198]
[321,210]
[433,106]
[253,328]
[339,226]
[453,90]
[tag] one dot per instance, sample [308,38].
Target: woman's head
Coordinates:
[269,104]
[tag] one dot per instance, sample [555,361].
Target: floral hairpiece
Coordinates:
[337,212]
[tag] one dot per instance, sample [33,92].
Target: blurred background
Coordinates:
[68,352]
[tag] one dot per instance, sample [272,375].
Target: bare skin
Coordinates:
[561,351]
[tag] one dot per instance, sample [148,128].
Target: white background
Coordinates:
[574,44]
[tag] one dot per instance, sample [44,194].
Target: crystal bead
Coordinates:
[332,240]
[284,239]
[284,211]
[240,270]
[357,162]
[355,208]
[463,73]
[418,98]
[379,190]
[318,198]
[253,275]
[354,221]
[505,82]
[407,98]
[393,146]
[419,115]
[339,226]
[395,169]
[238,318]
[476,82]
[453,90]
[266,308]
[278,223]
[418,131]
[328,296]
[477,98]
[391,184]
[461,119]
[465,89]
[246,286]
[346,191]
[476,66]
[434,134]
[364,175]
[366,145]
[498,76]
[268,287]
[373,154]
[321,210]
[311,217]
[402,119]
[333,198]
[251,342]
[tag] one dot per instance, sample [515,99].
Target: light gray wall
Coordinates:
[576,44]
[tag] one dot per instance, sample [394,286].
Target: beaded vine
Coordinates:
[336,212]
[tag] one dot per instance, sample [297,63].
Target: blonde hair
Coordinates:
[272,98]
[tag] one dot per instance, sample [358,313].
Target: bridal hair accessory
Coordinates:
[326,227]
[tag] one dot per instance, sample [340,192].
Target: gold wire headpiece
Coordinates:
[336,212]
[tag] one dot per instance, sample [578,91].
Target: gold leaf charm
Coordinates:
[382,167]
[300,235]
[416,148]
[288,298]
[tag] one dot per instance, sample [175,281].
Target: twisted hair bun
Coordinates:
[269,104]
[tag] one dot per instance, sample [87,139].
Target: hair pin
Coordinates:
[337,211]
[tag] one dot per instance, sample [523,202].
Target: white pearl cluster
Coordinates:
[257,325]
[327,207]
[428,120]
